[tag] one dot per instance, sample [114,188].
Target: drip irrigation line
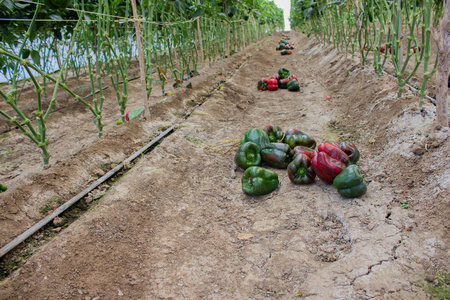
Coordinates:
[432,100]
[11,245]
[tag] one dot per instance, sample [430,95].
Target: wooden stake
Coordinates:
[228,39]
[243,35]
[441,35]
[141,60]
[199,33]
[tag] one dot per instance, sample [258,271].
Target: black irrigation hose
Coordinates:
[432,100]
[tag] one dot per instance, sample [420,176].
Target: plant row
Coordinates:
[371,26]
[101,39]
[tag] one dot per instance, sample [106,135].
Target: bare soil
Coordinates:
[178,226]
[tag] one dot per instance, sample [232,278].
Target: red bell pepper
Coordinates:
[349,149]
[328,161]
[272,84]
[293,78]
[302,150]
[276,77]
[334,152]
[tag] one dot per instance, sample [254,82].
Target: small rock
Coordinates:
[245,236]
[411,215]
[88,199]
[100,172]
[120,293]
[58,229]
[113,166]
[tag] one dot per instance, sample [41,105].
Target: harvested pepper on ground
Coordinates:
[334,152]
[350,183]
[262,84]
[325,167]
[3,188]
[283,83]
[295,138]
[272,84]
[247,155]
[259,181]
[286,52]
[256,136]
[275,133]
[300,170]
[277,155]
[293,85]
[277,77]
[283,73]
[302,150]
[293,77]
[349,149]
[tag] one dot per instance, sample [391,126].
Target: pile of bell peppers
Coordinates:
[283,80]
[294,150]
[283,44]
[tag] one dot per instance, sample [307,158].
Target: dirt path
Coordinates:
[178,226]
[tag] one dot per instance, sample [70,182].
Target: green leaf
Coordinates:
[25,53]
[55,17]
[36,57]
[8,4]
[135,113]
[198,13]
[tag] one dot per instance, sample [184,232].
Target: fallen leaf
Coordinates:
[170,93]
[245,236]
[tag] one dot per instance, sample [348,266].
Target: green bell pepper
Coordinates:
[256,136]
[247,155]
[259,181]
[295,137]
[3,188]
[284,73]
[300,170]
[350,183]
[277,155]
[275,133]
[293,86]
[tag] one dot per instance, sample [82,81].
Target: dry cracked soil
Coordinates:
[177,225]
